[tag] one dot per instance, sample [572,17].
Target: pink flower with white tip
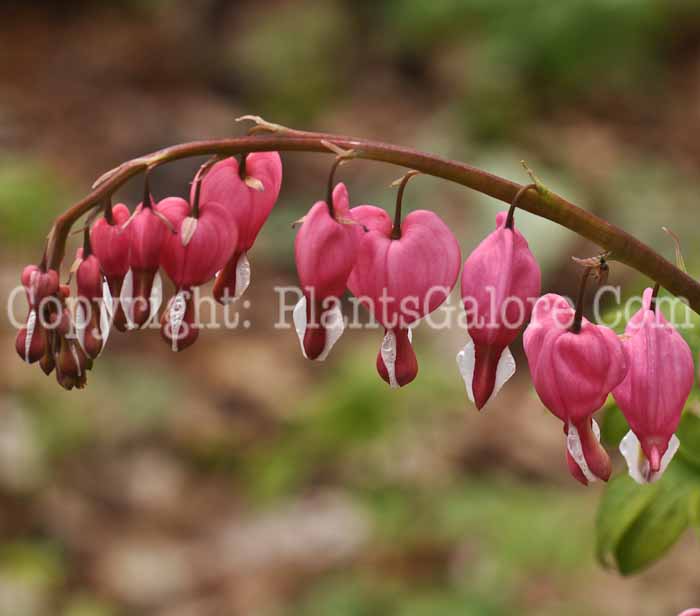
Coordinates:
[404,271]
[142,287]
[111,241]
[500,282]
[654,392]
[249,190]
[325,249]
[205,237]
[575,364]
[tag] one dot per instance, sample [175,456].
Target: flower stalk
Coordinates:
[623,247]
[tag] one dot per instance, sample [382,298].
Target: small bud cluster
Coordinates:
[117,271]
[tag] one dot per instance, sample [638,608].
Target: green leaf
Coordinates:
[613,425]
[656,529]
[622,504]
[689,436]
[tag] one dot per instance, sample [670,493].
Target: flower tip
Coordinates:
[654,459]
[314,341]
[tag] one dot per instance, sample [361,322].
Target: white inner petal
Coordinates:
[333,321]
[176,316]
[156,298]
[107,300]
[126,298]
[466,360]
[31,326]
[335,327]
[80,324]
[106,314]
[242,276]
[299,317]
[573,444]
[76,359]
[388,351]
[638,466]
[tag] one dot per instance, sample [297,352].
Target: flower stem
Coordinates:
[578,317]
[518,196]
[329,189]
[396,229]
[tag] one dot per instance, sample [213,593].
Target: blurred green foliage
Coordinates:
[30,195]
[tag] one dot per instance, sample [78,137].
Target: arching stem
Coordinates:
[624,247]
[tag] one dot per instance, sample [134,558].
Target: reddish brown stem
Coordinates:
[623,247]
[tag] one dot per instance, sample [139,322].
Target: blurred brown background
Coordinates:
[236,478]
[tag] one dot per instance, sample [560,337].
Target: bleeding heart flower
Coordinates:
[325,249]
[205,237]
[39,284]
[500,282]
[403,272]
[89,282]
[654,392]
[142,287]
[573,373]
[111,243]
[249,191]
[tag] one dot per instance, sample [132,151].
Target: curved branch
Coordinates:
[623,247]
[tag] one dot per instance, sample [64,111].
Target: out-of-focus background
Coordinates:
[237,478]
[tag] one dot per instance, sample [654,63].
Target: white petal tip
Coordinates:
[333,321]
[466,360]
[637,463]
[575,448]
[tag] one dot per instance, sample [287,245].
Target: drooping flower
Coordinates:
[325,250]
[111,242]
[39,284]
[654,392]
[500,282]
[404,271]
[249,190]
[69,358]
[91,327]
[574,364]
[205,237]
[142,287]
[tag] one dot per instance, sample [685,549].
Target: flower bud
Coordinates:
[89,309]
[30,342]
